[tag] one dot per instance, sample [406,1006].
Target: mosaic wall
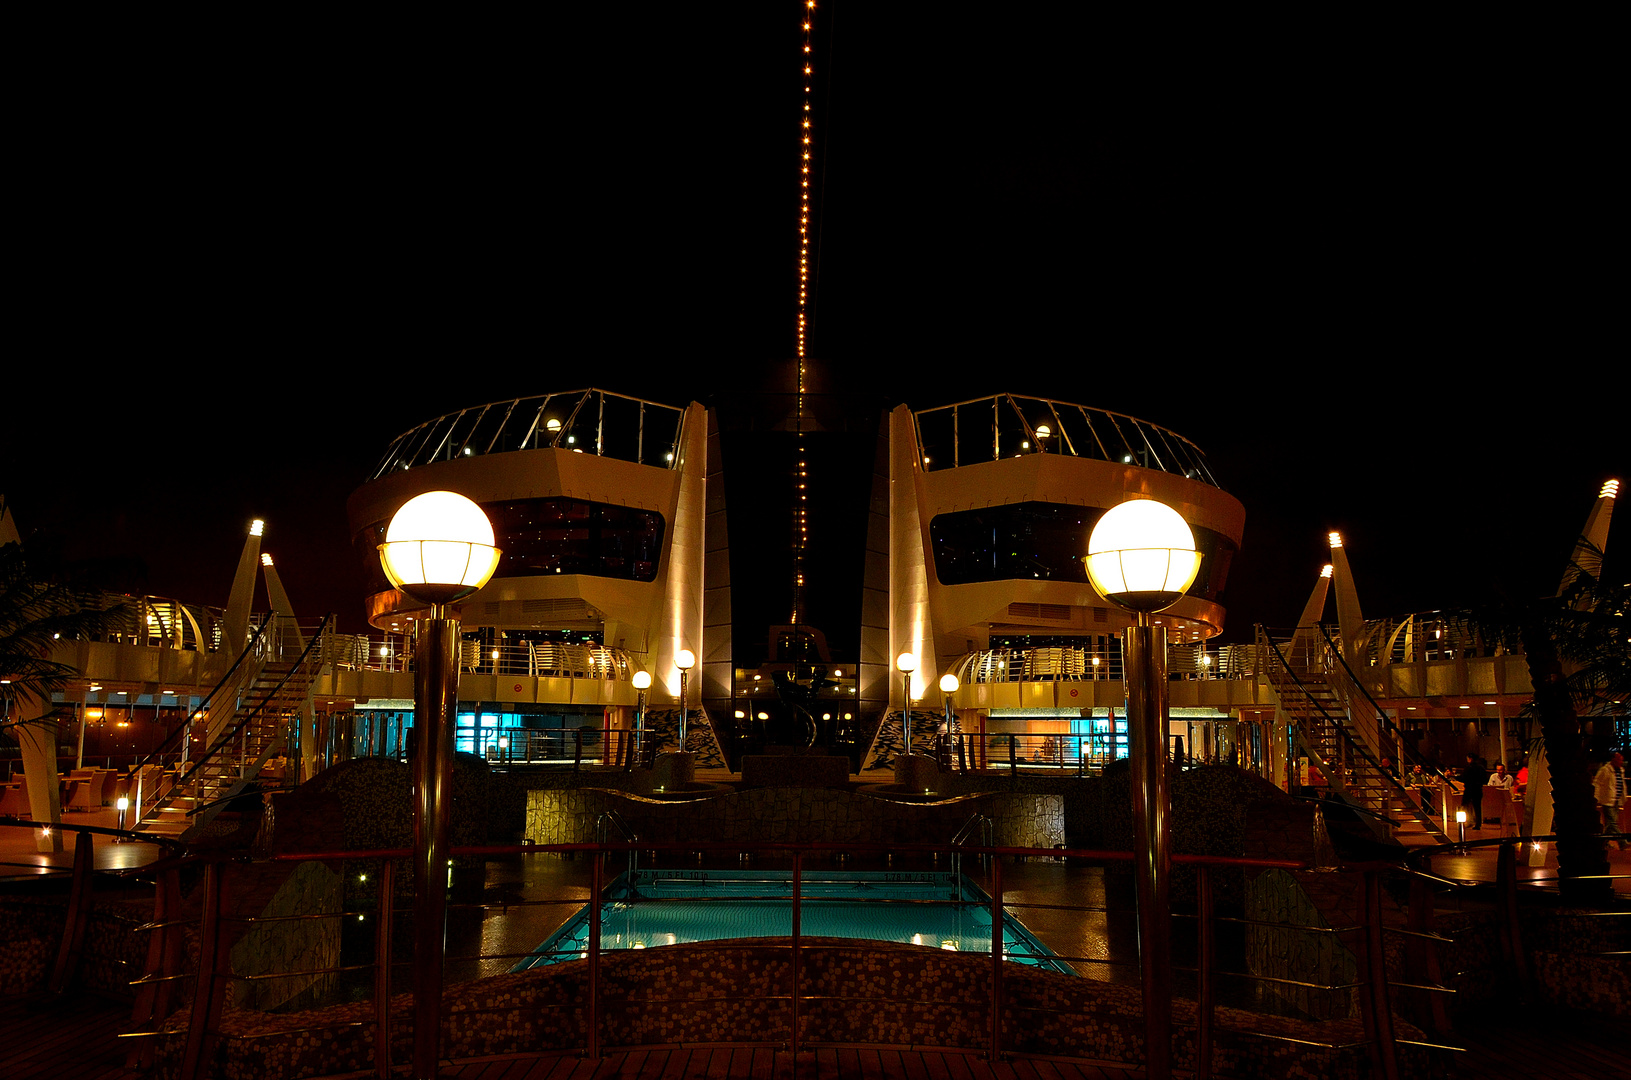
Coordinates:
[910,996]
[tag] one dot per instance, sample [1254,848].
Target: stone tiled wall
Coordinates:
[1319,901]
[908,996]
[279,943]
[794,815]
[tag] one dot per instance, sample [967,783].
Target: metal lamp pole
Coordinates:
[438,549]
[684,660]
[641,680]
[1141,557]
[906,663]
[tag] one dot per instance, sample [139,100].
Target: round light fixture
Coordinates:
[1141,556]
[439,548]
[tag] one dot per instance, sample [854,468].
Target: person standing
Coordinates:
[1473,778]
[1609,788]
[1501,782]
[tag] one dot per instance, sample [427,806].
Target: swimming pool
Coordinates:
[646,908]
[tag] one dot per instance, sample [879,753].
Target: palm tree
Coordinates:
[1579,658]
[37,610]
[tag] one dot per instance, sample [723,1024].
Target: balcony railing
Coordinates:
[537,659]
[1009,425]
[585,421]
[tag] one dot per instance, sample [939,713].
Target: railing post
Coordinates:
[995,1054]
[210,989]
[163,960]
[79,913]
[1506,887]
[793,970]
[596,875]
[384,913]
[577,753]
[1204,998]
[1423,954]
[1375,1004]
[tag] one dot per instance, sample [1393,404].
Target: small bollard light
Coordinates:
[123,804]
[1461,824]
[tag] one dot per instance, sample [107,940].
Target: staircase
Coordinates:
[1342,731]
[244,722]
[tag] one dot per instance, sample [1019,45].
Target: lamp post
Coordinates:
[906,663]
[438,549]
[948,687]
[685,661]
[1141,557]
[642,683]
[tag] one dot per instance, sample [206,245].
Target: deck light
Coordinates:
[906,663]
[438,549]
[684,660]
[1141,556]
[948,686]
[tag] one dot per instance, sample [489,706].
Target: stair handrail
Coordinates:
[1396,782]
[981,822]
[203,706]
[615,820]
[226,737]
[1353,744]
[1384,723]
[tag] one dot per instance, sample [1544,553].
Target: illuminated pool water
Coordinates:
[647,908]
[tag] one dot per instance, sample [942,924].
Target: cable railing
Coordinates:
[801,969]
[357,1012]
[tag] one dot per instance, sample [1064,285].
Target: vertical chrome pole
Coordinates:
[436,691]
[994,1055]
[906,718]
[596,886]
[793,966]
[684,705]
[384,918]
[1145,669]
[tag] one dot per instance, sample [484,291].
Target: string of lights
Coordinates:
[801,519]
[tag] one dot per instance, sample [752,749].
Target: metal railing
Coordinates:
[588,421]
[1373,988]
[543,659]
[1011,425]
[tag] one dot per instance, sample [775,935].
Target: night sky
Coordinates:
[1368,279]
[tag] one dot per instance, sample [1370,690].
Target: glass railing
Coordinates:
[584,421]
[1009,425]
